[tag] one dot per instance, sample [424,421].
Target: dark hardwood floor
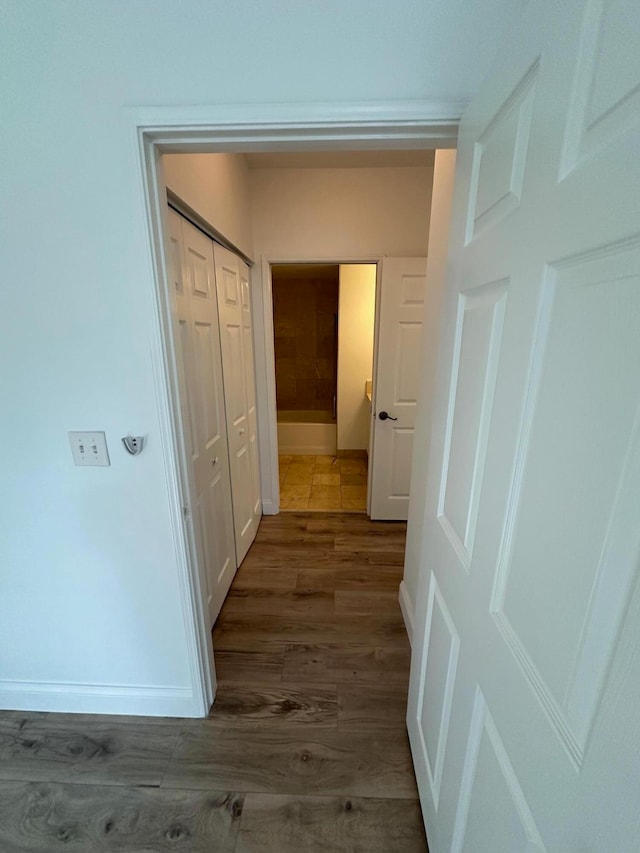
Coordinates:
[305,748]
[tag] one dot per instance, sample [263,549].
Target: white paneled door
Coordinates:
[400,320]
[237,357]
[525,680]
[203,414]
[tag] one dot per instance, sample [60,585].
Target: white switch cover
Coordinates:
[89,448]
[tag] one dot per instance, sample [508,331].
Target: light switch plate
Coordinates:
[89,448]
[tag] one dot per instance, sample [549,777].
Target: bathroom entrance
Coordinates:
[324,317]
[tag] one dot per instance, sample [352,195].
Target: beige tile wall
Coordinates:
[305,327]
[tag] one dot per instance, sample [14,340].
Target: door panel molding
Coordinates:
[591,126]
[483,728]
[493,297]
[507,153]
[571,708]
[442,684]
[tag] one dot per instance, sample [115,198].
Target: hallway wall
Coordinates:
[217,187]
[340,214]
[356,320]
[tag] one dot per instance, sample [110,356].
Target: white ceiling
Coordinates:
[338,159]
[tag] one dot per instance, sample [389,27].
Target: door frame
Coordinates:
[239,128]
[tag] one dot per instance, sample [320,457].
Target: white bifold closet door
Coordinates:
[232,280]
[192,271]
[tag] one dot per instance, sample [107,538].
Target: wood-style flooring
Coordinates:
[305,748]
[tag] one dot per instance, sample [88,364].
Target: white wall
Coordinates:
[217,187]
[90,615]
[356,314]
[340,214]
[436,282]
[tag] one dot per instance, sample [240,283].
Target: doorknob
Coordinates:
[241,431]
[385,416]
[215,460]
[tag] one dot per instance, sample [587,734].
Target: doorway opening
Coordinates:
[236,130]
[323,321]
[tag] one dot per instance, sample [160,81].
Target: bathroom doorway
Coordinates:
[324,317]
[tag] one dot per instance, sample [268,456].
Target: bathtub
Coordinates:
[307,433]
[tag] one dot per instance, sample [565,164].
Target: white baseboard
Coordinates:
[98,699]
[407,610]
[269,508]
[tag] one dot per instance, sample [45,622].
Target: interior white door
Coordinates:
[202,398]
[239,389]
[400,321]
[525,678]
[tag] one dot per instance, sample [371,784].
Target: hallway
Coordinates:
[305,748]
[312,660]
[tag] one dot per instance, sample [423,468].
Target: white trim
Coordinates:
[321,126]
[98,698]
[269,508]
[406,606]
[177,469]
[248,127]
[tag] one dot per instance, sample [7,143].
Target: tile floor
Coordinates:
[323,483]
